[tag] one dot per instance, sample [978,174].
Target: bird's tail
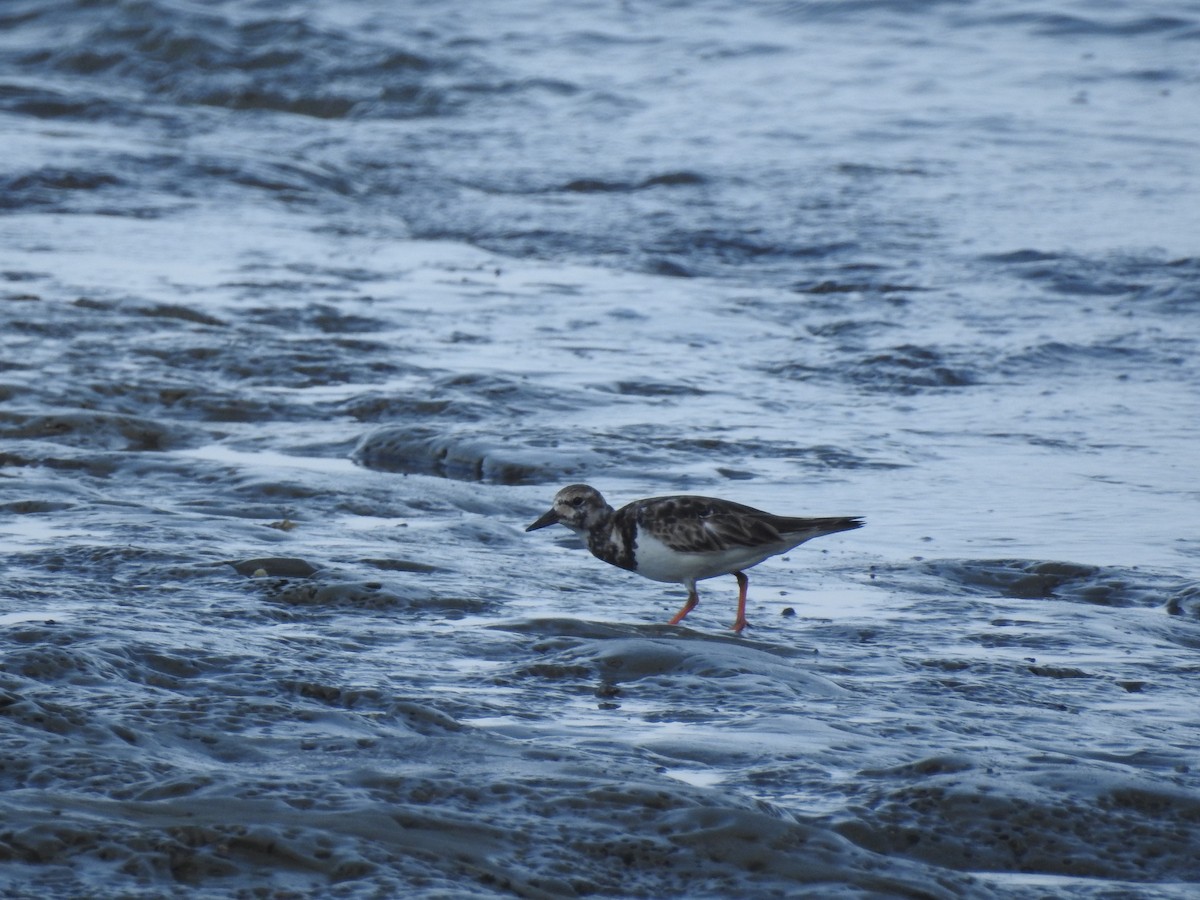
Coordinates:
[807,529]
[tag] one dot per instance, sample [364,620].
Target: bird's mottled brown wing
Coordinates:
[700,524]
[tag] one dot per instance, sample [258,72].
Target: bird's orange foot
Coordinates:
[739,625]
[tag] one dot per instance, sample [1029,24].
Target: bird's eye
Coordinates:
[577,502]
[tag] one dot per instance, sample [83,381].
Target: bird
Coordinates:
[683,539]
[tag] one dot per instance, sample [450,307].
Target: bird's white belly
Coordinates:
[658,562]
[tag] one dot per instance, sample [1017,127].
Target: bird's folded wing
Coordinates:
[698,525]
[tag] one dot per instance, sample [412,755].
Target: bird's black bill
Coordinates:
[550,518]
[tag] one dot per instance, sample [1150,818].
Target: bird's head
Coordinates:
[577,506]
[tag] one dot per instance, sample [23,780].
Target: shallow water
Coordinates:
[307,312]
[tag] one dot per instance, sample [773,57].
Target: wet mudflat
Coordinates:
[284,375]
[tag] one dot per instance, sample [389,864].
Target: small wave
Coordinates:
[669,179]
[469,456]
[396,597]
[1040,580]
[1060,357]
[906,369]
[101,431]
[205,57]
[977,821]
[1065,25]
[829,286]
[1141,281]
[671,661]
[46,187]
[1020,257]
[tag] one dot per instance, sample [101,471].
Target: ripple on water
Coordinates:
[1073,582]
[902,370]
[1067,822]
[102,431]
[469,456]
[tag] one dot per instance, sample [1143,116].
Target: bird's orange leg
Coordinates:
[692,600]
[743,584]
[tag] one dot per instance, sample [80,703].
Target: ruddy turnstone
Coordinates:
[684,539]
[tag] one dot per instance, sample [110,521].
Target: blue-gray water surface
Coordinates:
[307,310]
